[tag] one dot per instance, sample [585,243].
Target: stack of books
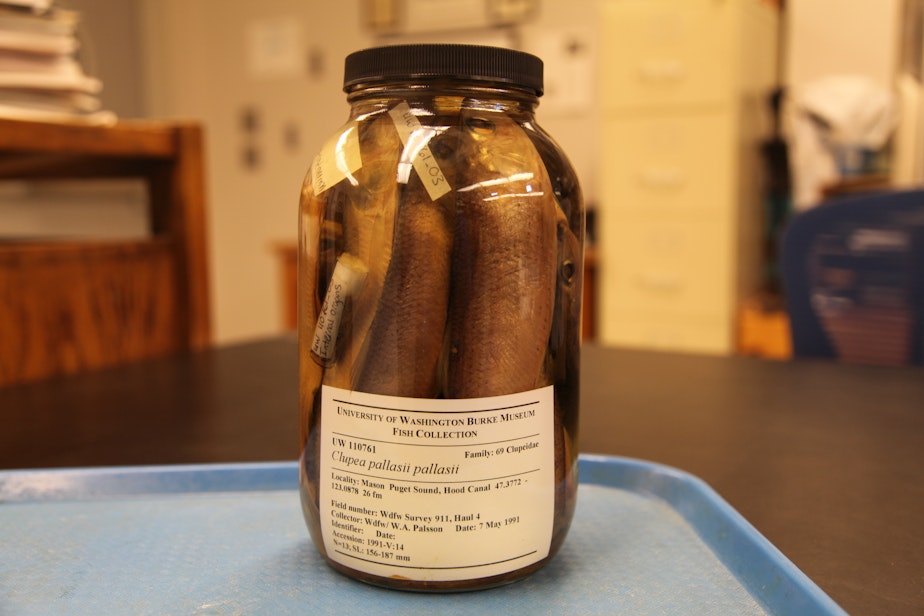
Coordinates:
[40,75]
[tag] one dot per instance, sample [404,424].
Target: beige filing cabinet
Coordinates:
[683,87]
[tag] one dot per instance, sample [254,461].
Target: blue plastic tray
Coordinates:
[230,539]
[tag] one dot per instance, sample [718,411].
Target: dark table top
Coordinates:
[825,460]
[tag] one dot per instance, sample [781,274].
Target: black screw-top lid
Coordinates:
[494,65]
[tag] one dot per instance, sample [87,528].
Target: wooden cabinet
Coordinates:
[72,305]
[682,87]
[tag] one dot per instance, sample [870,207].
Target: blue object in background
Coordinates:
[853,272]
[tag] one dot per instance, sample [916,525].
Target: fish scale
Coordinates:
[500,329]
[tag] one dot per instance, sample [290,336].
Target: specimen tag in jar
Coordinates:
[415,138]
[437,490]
[347,279]
[338,159]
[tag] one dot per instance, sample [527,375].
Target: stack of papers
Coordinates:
[40,76]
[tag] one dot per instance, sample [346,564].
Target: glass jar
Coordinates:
[439,285]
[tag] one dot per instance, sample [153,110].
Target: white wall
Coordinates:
[202,64]
[842,36]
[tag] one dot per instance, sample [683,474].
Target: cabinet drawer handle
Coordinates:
[662,71]
[662,282]
[662,178]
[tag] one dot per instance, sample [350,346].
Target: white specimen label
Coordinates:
[437,490]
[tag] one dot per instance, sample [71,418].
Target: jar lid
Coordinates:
[495,65]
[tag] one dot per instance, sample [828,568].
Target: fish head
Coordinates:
[380,147]
[495,150]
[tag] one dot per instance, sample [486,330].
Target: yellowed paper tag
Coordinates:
[415,139]
[338,160]
[347,279]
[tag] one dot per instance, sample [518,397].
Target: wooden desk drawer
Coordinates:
[69,307]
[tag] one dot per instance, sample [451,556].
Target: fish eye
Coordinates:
[568,270]
[480,126]
[441,148]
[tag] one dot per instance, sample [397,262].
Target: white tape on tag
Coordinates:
[338,160]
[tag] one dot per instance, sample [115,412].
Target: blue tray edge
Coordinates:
[100,482]
[770,577]
[767,573]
